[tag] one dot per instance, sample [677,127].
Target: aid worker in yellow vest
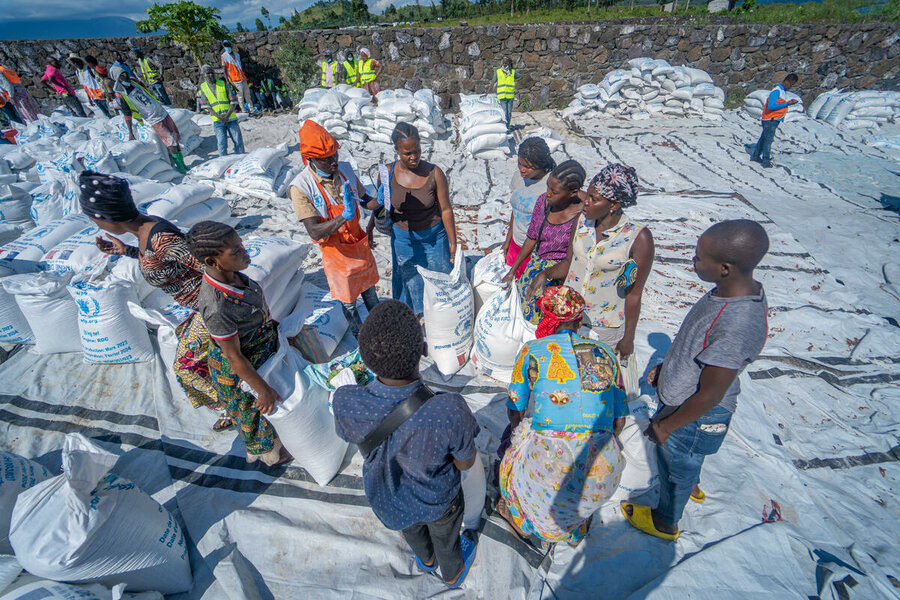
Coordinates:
[330,68]
[351,69]
[217,99]
[234,74]
[369,69]
[506,88]
[775,108]
[151,73]
[326,196]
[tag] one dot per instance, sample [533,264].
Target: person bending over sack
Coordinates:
[412,470]
[697,383]
[165,263]
[244,336]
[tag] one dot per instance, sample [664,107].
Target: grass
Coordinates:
[829,11]
[735,98]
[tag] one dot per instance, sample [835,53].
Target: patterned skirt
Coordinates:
[553,481]
[191,368]
[534,266]
[258,435]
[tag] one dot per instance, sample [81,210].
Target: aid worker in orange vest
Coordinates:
[234,73]
[326,196]
[775,108]
[91,84]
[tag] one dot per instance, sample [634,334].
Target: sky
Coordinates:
[232,11]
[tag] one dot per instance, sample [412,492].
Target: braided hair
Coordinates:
[404,131]
[207,239]
[536,151]
[570,174]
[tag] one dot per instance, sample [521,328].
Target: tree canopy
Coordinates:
[186,24]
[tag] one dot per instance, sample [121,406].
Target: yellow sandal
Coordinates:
[699,498]
[642,519]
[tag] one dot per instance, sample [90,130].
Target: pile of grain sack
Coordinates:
[262,173]
[856,110]
[755,101]
[650,87]
[482,127]
[349,113]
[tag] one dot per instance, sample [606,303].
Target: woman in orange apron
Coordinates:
[325,196]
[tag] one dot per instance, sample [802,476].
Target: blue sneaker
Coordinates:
[422,566]
[467,547]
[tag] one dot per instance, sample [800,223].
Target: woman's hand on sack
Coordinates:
[110,245]
[507,279]
[453,254]
[625,348]
[653,375]
[536,287]
[265,401]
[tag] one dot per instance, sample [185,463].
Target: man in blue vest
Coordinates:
[219,101]
[774,109]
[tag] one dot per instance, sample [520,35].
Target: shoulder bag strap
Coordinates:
[395,419]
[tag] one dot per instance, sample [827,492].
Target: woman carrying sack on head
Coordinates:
[326,195]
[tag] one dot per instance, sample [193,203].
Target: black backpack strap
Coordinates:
[395,419]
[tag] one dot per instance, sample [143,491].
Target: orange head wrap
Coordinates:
[315,142]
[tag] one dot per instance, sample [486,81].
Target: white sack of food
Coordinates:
[176,199]
[89,525]
[215,168]
[76,253]
[487,142]
[15,206]
[640,474]
[270,259]
[474,488]
[302,420]
[487,276]
[14,327]
[214,209]
[323,323]
[109,332]
[284,303]
[262,161]
[500,332]
[17,474]
[28,587]
[449,315]
[54,200]
[24,254]
[159,309]
[48,308]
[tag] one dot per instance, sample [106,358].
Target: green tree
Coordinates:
[282,20]
[239,28]
[360,10]
[185,24]
[297,64]
[260,26]
[265,13]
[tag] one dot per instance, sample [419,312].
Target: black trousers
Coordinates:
[440,539]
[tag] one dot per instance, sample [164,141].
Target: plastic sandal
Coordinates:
[642,519]
[699,498]
[468,548]
[422,566]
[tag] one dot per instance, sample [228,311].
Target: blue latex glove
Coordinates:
[349,203]
[381,195]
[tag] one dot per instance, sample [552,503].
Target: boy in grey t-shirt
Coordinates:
[697,384]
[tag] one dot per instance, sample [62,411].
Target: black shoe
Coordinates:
[756,160]
[768,164]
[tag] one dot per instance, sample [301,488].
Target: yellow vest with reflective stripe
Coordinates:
[506,84]
[350,70]
[148,73]
[329,66]
[366,71]
[219,101]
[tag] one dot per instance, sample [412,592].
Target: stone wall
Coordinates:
[552,59]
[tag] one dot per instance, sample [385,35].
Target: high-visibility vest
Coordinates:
[135,111]
[350,70]
[366,71]
[506,84]
[11,75]
[326,67]
[267,86]
[90,84]
[218,102]
[148,73]
[767,114]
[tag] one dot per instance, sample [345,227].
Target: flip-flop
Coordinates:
[223,423]
[642,519]
[699,498]
[422,566]
[468,548]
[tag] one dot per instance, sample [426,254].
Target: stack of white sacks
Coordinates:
[755,101]
[349,113]
[262,173]
[650,87]
[856,110]
[482,126]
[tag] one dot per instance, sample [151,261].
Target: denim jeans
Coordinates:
[160,90]
[429,249]
[681,458]
[103,105]
[764,145]
[440,539]
[225,130]
[370,297]
[507,110]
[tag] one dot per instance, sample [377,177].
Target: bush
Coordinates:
[297,65]
[735,98]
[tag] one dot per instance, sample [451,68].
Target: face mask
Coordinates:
[321,173]
[228,50]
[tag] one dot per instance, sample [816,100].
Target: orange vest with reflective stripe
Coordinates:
[767,114]
[11,75]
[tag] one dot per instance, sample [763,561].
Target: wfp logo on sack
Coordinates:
[88,307]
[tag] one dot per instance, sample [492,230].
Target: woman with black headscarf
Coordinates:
[166,263]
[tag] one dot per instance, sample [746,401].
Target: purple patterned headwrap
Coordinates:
[617,182]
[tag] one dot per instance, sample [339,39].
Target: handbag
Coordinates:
[395,419]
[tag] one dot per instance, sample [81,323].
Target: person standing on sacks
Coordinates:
[325,196]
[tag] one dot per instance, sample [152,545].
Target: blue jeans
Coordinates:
[507,110]
[160,90]
[225,130]
[764,145]
[370,298]
[681,458]
[429,249]
[103,105]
